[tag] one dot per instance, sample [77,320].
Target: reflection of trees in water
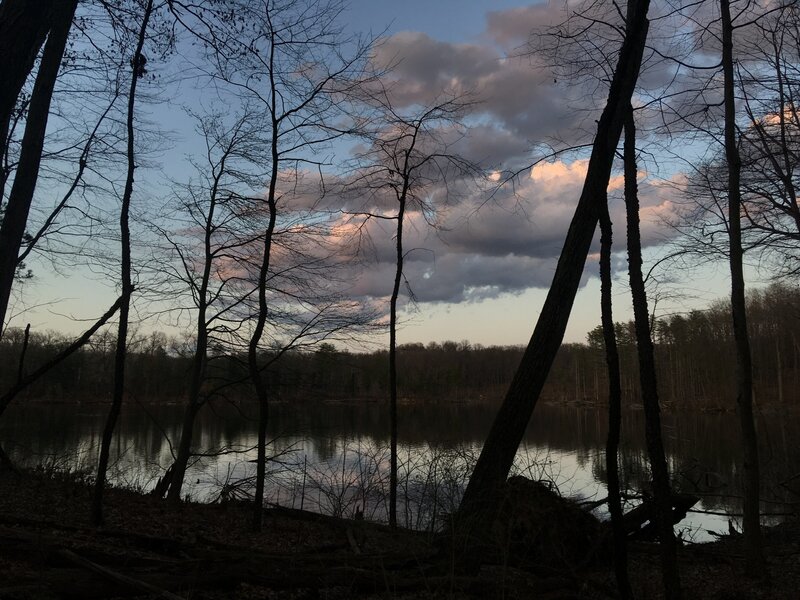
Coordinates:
[703,448]
[704,459]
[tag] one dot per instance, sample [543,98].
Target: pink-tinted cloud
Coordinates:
[488,247]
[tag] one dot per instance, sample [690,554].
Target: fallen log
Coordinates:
[640,522]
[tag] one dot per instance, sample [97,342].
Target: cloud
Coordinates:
[513,27]
[518,102]
[509,243]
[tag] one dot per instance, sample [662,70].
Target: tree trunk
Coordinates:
[21,196]
[614,410]
[744,368]
[393,365]
[23,28]
[127,285]
[647,374]
[512,419]
[194,403]
[259,383]
[178,470]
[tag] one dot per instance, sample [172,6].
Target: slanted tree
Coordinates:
[501,445]
[15,215]
[23,28]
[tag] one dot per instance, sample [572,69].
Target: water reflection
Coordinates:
[333,446]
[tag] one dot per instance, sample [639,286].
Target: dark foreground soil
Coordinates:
[148,549]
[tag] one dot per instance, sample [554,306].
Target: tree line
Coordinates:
[694,352]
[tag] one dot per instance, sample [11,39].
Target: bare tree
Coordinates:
[744,367]
[614,407]
[411,163]
[137,72]
[767,75]
[647,372]
[207,268]
[294,62]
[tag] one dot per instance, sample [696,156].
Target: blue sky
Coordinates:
[485,279]
[446,20]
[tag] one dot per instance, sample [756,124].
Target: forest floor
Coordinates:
[149,549]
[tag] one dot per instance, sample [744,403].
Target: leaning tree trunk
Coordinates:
[614,410]
[23,29]
[744,368]
[647,373]
[23,381]
[127,286]
[19,201]
[509,425]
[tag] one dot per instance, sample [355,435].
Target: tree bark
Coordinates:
[509,425]
[744,367]
[647,374]
[23,29]
[393,361]
[127,285]
[21,196]
[614,409]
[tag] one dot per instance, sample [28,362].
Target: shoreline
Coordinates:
[209,552]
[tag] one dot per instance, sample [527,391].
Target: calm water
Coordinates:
[334,457]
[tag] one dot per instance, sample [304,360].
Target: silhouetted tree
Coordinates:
[744,367]
[662,494]
[15,214]
[411,159]
[509,426]
[208,268]
[614,406]
[296,65]
[23,28]
[137,64]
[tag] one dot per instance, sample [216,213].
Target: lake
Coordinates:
[334,457]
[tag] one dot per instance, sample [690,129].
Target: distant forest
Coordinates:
[694,354]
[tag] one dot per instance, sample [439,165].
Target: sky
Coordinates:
[484,275]
[507,314]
